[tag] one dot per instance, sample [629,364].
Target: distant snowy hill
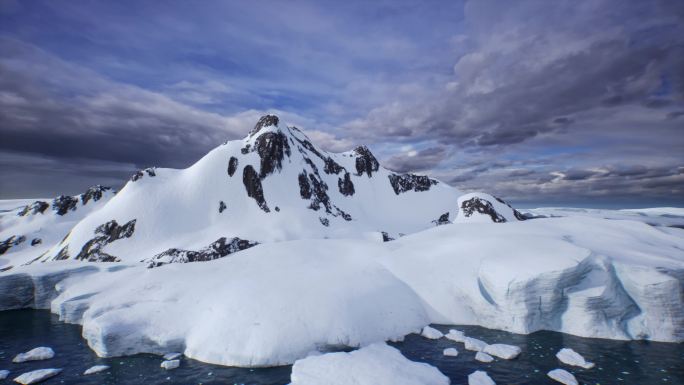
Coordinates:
[273,185]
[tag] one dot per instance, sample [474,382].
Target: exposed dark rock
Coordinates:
[386,237]
[442,220]
[304,186]
[410,182]
[62,254]
[37,207]
[36,241]
[365,161]
[264,121]
[95,193]
[105,234]
[518,215]
[332,167]
[277,209]
[218,249]
[3,269]
[245,150]
[345,216]
[272,148]
[482,206]
[253,186]
[324,221]
[222,206]
[232,165]
[11,242]
[63,204]
[150,171]
[345,185]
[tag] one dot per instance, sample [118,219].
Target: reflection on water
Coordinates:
[616,361]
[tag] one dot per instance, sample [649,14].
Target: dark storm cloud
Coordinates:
[530,100]
[419,161]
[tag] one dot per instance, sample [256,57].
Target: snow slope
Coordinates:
[273,185]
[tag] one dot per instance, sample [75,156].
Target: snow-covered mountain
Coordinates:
[273,185]
[29,230]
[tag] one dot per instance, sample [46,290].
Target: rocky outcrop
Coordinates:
[36,241]
[218,249]
[252,183]
[94,193]
[232,165]
[139,174]
[386,237]
[264,121]
[365,161]
[37,207]
[518,215]
[106,234]
[63,204]
[332,167]
[222,206]
[345,185]
[482,206]
[410,182]
[10,242]
[442,220]
[272,148]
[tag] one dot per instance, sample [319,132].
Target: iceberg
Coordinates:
[452,352]
[431,333]
[37,376]
[507,352]
[571,357]
[474,344]
[483,357]
[563,376]
[480,378]
[375,364]
[170,364]
[95,369]
[36,354]
[456,335]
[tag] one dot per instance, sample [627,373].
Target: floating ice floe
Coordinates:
[452,352]
[40,353]
[376,364]
[571,357]
[474,344]
[95,369]
[455,335]
[484,357]
[4,374]
[563,376]
[507,352]
[37,376]
[170,364]
[431,333]
[480,378]
[172,356]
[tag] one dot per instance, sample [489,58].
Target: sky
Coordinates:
[547,103]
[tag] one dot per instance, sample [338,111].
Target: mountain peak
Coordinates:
[264,121]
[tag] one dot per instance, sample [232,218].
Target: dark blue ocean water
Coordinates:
[617,362]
